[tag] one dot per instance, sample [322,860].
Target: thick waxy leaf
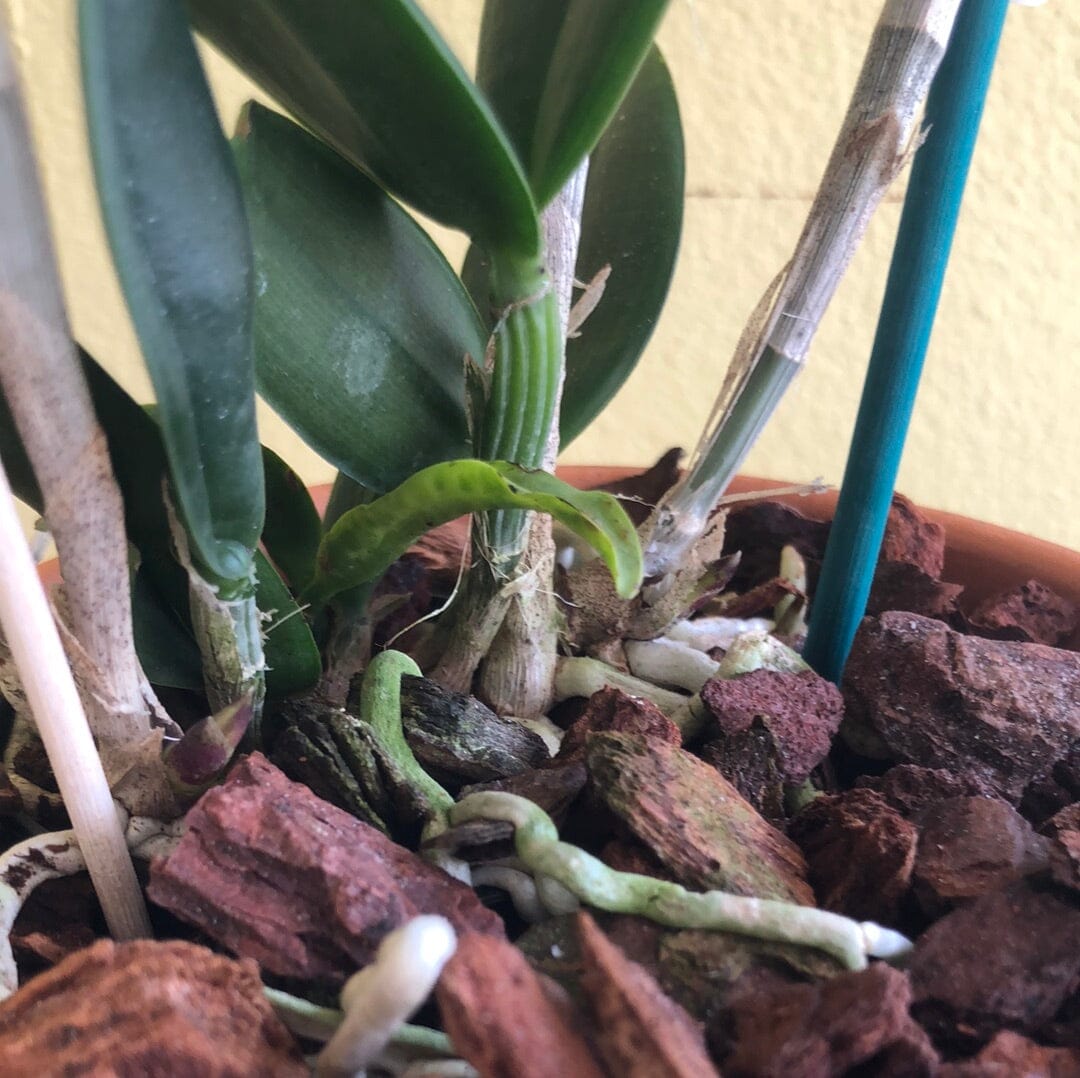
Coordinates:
[138,459]
[375,81]
[555,73]
[17,465]
[361,327]
[368,539]
[293,529]
[175,220]
[293,662]
[166,648]
[631,220]
[517,42]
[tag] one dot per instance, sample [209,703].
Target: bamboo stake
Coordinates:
[31,634]
[871,150]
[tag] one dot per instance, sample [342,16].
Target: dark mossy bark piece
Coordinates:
[703,970]
[640,1031]
[693,820]
[307,751]
[456,736]
[860,852]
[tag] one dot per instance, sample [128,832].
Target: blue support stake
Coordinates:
[953,109]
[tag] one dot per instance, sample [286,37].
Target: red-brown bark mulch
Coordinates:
[271,872]
[146,1008]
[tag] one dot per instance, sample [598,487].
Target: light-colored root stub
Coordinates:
[379,998]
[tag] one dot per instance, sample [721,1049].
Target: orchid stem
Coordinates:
[954,108]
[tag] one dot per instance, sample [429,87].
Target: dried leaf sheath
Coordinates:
[45,389]
[872,148]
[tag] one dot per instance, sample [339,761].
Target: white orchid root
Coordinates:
[377,1000]
[537,844]
[53,854]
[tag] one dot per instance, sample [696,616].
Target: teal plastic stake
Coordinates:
[953,109]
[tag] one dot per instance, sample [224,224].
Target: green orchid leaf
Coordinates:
[375,81]
[368,539]
[137,451]
[293,662]
[166,649]
[20,472]
[361,327]
[293,529]
[631,220]
[175,220]
[518,39]
[556,72]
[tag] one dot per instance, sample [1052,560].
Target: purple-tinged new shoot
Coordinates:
[197,760]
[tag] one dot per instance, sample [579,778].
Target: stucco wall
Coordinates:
[763,86]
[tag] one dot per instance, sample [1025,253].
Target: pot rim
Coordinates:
[986,558]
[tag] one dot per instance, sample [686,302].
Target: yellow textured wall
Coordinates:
[763,86]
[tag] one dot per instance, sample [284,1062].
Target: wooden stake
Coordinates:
[27,621]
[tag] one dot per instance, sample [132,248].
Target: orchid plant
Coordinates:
[287,261]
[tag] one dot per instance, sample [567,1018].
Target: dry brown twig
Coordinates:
[875,143]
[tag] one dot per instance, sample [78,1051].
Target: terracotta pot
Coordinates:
[985,558]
